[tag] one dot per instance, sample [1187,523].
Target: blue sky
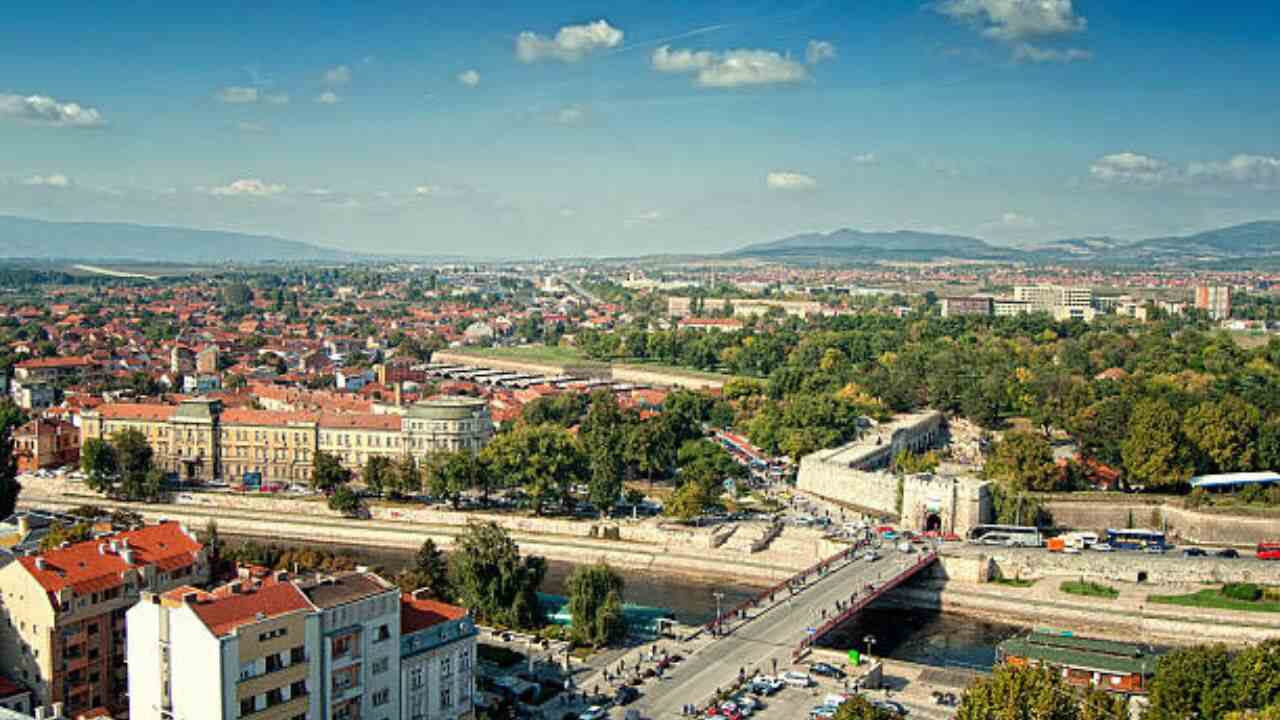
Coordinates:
[588,128]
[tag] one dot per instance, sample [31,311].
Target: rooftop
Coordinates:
[92,566]
[334,590]
[421,613]
[1083,653]
[226,609]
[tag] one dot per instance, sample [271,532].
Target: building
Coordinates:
[45,443]
[58,369]
[437,660]
[1215,300]
[1116,667]
[207,360]
[1063,302]
[14,697]
[32,394]
[678,307]
[246,649]
[63,633]
[202,441]
[957,306]
[359,651]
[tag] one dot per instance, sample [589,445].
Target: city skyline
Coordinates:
[598,129]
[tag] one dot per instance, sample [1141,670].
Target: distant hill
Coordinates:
[1239,245]
[854,245]
[41,240]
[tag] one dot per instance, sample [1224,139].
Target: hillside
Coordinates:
[853,245]
[41,240]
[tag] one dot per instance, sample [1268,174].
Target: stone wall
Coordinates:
[1031,563]
[1183,525]
[876,492]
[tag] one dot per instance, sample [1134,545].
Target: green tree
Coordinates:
[651,448]
[407,477]
[1022,461]
[377,475]
[1032,693]
[1155,453]
[133,453]
[98,461]
[11,418]
[858,707]
[545,460]
[430,571]
[237,295]
[345,501]
[595,604]
[60,533]
[327,472]
[1255,675]
[1225,433]
[489,577]
[454,473]
[1101,429]
[1192,682]
[1269,444]
[603,436]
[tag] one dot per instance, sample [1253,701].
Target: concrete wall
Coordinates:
[873,491]
[1184,525]
[1128,567]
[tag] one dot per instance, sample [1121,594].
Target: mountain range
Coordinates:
[1250,242]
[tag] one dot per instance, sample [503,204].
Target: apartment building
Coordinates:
[201,441]
[958,306]
[359,645]
[44,443]
[437,660]
[57,369]
[244,650]
[1214,299]
[63,627]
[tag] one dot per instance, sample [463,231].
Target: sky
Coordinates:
[563,128]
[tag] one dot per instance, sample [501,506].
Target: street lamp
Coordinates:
[718,596]
[870,640]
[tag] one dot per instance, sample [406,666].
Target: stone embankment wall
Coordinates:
[1170,569]
[1184,525]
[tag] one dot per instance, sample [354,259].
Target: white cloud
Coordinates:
[238,95]
[783,180]
[1131,168]
[328,97]
[57,180]
[572,115]
[1012,20]
[1026,52]
[818,50]
[1262,171]
[337,76]
[433,190]
[252,128]
[470,78]
[44,110]
[249,187]
[650,216]
[868,158]
[571,43]
[275,98]
[735,68]
[1014,220]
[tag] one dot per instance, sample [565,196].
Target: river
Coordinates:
[927,638]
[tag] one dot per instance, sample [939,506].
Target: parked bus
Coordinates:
[1269,550]
[1007,535]
[1135,539]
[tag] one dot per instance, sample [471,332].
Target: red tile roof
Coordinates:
[223,611]
[136,411]
[248,416]
[360,421]
[59,362]
[85,569]
[421,613]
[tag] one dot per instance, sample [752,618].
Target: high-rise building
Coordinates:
[63,633]
[1214,299]
[437,657]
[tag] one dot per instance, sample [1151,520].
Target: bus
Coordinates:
[1006,535]
[1269,550]
[1135,539]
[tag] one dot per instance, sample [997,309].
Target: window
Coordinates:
[446,697]
[464,660]
[381,697]
[298,689]
[384,633]
[246,707]
[446,666]
[415,678]
[380,666]
[248,669]
[297,655]
[274,662]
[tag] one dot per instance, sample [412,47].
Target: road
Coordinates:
[772,634]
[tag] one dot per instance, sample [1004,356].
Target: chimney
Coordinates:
[399,394]
[124,543]
[24,524]
[190,598]
[282,575]
[102,548]
[41,564]
[115,546]
[127,556]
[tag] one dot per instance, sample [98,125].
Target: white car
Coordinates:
[595,712]
[795,678]
[1102,547]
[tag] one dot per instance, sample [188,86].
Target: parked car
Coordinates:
[1102,547]
[595,712]
[795,678]
[891,705]
[822,712]
[1154,549]
[626,695]
[1228,553]
[1193,552]
[826,670]
[871,556]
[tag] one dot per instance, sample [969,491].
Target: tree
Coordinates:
[454,473]
[490,577]
[1101,429]
[98,461]
[327,473]
[1022,461]
[1192,682]
[345,501]
[1033,693]
[1155,454]
[60,533]
[430,571]
[11,417]
[1269,444]
[377,474]
[133,453]
[603,435]
[1255,674]
[595,604]
[237,295]
[857,707]
[406,479]
[545,460]
[651,448]
[1224,432]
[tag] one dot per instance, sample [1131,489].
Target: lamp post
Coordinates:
[718,596]
[870,640]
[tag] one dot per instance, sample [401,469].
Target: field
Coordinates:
[1214,599]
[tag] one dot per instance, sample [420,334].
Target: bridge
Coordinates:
[774,630]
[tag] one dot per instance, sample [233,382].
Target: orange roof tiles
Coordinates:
[136,411]
[85,569]
[421,613]
[249,416]
[360,421]
[224,611]
[58,362]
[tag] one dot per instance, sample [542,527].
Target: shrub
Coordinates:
[1242,591]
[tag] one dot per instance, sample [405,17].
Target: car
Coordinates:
[822,712]
[871,556]
[1154,549]
[827,670]
[747,704]
[1193,552]
[626,695]
[891,705]
[1102,547]
[766,685]
[795,678]
[1227,553]
[595,712]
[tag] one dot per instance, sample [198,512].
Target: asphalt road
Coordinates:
[773,634]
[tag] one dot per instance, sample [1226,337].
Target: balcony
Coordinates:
[260,684]
[296,705]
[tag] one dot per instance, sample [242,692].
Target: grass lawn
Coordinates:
[1213,598]
[1089,589]
[1014,582]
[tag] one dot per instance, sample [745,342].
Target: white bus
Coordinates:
[1005,535]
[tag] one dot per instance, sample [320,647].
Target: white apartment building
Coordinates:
[437,660]
[360,645]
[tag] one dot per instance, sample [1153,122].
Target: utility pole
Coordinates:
[718,596]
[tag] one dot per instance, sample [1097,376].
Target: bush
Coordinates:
[1247,592]
[1089,589]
